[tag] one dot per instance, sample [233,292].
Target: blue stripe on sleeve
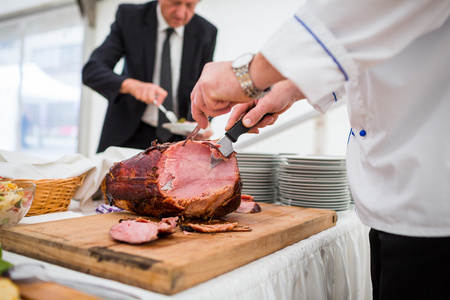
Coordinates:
[323,46]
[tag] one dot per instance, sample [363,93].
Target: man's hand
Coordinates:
[146,92]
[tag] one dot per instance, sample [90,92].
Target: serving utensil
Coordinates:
[194,132]
[30,272]
[169,114]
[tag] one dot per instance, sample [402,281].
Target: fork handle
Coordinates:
[162,108]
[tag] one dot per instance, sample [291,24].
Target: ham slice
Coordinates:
[134,232]
[248,205]
[212,228]
[139,230]
[173,179]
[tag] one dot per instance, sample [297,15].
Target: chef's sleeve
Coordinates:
[326,43]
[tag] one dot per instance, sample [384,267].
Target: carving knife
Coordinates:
[226,141]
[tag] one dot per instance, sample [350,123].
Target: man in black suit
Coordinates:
[138,34]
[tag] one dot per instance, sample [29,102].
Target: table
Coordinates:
[333,264]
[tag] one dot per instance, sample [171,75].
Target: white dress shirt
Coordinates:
[393,57]
[150,115]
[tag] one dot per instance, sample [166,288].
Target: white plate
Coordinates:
[312,172]
[261,175]
[264,180]
[312,196]
[256,165]
[313,181]
[260,190]
[318,163]
[313,188]
[313,185]
[320,199]
[181,128]
[331,207]
[312,176]
[315,158]
[317,203]
[258,155]
[309,190]
[256,169]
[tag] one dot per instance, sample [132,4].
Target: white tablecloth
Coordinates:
[333,264]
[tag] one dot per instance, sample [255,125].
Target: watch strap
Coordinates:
[243,76]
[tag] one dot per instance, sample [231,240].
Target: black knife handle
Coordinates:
[238,129]
[235,132]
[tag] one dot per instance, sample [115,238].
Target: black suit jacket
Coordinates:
[133,36]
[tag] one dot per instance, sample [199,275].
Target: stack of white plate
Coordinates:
[259,175]
[314,181]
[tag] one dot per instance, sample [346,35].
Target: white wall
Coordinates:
[243,26]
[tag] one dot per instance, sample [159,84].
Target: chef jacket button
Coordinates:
[362,133]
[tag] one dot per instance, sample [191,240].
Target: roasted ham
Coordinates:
[173,179]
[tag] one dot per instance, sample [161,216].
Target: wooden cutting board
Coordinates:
[169,264]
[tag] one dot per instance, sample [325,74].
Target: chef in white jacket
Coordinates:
[393,60]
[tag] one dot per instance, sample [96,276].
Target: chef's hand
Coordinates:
[282,96]
[218,88]
[215,93]
[146,92]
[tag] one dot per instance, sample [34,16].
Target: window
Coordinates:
[40,82]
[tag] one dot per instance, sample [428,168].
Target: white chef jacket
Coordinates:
[393,57]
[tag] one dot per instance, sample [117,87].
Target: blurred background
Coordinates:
[46,111]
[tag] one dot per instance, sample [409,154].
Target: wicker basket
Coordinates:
[53,195]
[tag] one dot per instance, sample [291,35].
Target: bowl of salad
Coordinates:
[15,201]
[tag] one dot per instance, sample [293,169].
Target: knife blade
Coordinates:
[230,137]
[226,141]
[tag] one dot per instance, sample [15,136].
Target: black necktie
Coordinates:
[166,83]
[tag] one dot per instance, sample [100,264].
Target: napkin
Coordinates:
[101,163]
[22,166]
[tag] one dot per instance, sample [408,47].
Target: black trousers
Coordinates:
[405,267]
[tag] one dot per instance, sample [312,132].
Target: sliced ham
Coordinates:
[248,205]
[134,232]
[140,230]
[167,225]
[212,228]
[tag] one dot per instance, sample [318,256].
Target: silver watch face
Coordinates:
[242,60]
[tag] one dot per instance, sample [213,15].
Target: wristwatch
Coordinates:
[240,67]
